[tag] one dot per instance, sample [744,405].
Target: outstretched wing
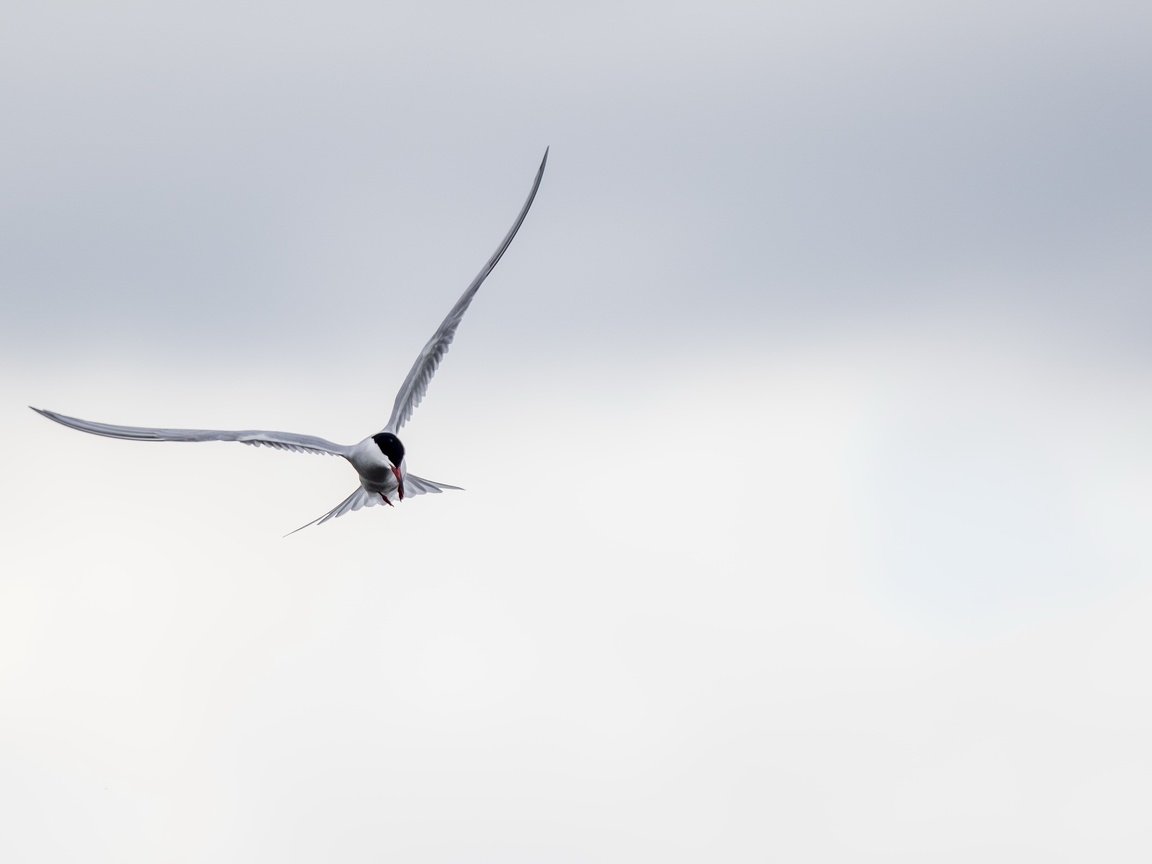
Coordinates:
[254,437]
[416,384]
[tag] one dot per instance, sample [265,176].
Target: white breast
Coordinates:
[373,467]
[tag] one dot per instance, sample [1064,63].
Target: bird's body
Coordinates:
[379,459]
[381,472]
[374,468]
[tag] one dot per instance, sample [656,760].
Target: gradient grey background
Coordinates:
[806,428]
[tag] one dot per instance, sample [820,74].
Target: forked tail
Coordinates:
[363,498]
[359,498]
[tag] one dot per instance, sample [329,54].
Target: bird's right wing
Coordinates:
[416,384]
[254,437]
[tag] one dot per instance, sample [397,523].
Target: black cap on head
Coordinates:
[390,446]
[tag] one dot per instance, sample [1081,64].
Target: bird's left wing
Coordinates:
[416,384]
[254,437]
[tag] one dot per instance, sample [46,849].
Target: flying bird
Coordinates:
[379,459]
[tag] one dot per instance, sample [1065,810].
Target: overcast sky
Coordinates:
[805,426]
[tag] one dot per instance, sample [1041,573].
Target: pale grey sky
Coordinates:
[805,428]
[247,173]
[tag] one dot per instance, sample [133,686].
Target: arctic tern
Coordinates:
[379,459]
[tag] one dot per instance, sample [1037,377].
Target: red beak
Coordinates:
[399,481]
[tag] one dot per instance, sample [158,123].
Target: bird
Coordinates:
[380,459]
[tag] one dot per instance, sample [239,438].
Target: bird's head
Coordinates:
[393,450]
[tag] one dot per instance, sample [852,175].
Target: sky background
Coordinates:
[805,425]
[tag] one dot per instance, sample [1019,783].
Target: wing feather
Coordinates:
[416,384]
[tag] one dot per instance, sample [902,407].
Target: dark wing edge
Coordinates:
[416,384]
[253,437]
